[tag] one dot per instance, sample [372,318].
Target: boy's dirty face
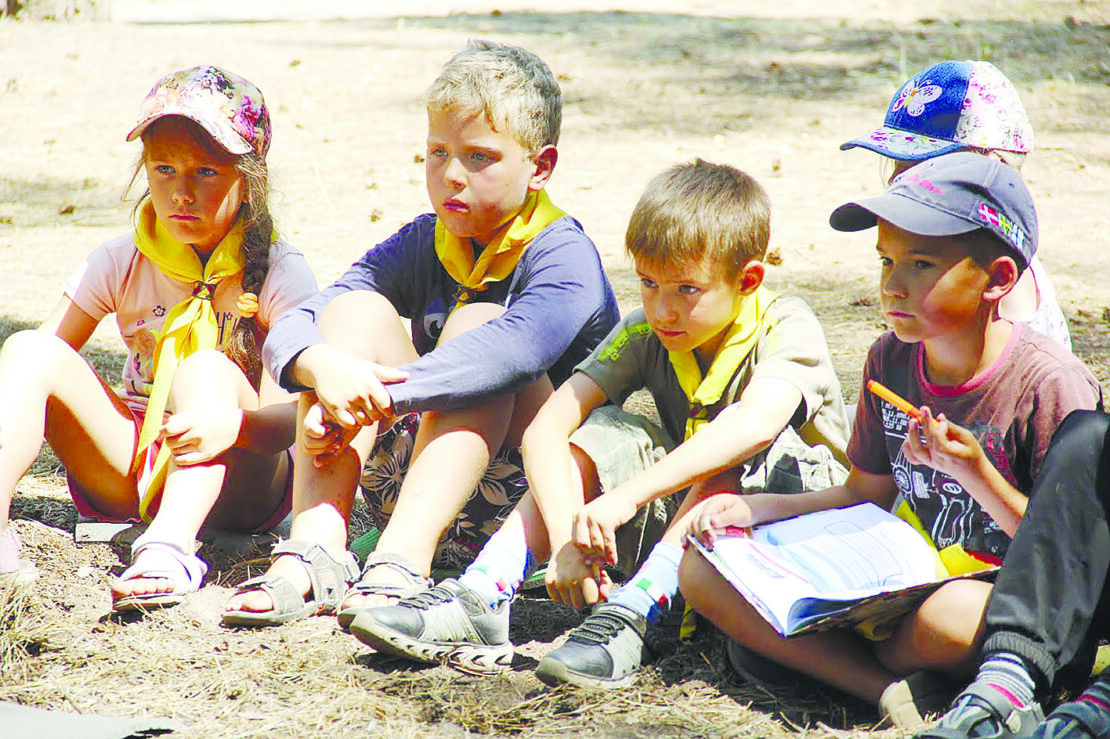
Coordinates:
[196,192]
[929,285]
[689,307]
[478,178]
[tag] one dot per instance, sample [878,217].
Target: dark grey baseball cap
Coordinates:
[950,195]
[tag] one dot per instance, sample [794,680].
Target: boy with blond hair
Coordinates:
[742,380]
[505,295]
[953,235]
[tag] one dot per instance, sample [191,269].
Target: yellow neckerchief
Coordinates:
[190,325]
[498,260]
[737,344]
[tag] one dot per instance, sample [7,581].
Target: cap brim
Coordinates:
[902,145]
[906,214]
[232,142]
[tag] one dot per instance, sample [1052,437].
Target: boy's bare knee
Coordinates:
[354,308]
[587,472]
[469,316]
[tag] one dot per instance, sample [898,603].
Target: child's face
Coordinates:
[689,307]
[929,285]
[477,178]
[196,193]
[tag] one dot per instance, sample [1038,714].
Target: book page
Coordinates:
[837,555]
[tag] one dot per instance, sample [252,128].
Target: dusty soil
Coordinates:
[771,88]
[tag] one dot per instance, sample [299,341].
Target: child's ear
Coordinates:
[1002,275]
[751,276]
[544,163]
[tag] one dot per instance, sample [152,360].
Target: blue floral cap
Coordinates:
[951,106]
[227,106]
[949,195]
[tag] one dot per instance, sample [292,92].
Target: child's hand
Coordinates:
[572,581]
[942,445]
[195,437]
[353,391]
[322,437]
[595,525]
[721,512]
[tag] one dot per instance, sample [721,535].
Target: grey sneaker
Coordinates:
[448,623]
[1084,718]
[605,651]
[982,711]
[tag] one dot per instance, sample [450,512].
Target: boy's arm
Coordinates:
[763,410]
[384,269]
[743,511]
[565,289]
[547,458]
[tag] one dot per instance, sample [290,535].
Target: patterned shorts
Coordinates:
[497,493]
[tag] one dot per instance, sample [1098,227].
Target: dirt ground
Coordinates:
[772,88]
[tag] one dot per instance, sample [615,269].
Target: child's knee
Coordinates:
[469,316]
[31,347]
[356,307]
[954,613]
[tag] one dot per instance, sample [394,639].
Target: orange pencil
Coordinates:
[895,400]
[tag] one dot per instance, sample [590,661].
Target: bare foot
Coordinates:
[258,601]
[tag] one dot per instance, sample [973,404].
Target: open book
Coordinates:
[831,568]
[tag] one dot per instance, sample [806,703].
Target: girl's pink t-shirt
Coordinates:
[117,278]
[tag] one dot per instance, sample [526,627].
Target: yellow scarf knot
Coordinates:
[500,257]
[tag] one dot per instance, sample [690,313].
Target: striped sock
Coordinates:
[650,590]
[1008,674]
[502,565]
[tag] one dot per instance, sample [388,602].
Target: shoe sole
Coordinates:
[471,658]
[554,673]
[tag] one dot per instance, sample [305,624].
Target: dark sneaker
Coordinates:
[605,651]
[1084,718]
[909,701]
[448,623]
[982,711]
[755,668]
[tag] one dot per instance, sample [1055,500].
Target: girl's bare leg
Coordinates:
[49,391]
[228,492]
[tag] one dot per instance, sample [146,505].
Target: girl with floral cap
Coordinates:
[199,432]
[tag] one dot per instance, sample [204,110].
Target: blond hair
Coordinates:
[697,211]
[508,85]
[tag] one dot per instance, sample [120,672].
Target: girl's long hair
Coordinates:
[244,345]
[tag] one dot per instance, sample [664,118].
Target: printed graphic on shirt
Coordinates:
[613,350]
[146,341]
[948,512]
[434,318]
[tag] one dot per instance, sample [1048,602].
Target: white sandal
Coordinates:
[165,561]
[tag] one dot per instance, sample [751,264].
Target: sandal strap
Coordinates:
[193,567]
[281,592]
[328,576]
[397,563]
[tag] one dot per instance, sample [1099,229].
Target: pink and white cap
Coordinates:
[227,106]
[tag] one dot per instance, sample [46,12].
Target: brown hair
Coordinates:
[244,345]
[697,211]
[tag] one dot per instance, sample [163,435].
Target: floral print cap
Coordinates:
[951,106]
[226,105]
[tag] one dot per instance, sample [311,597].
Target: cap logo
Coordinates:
[923,182]
[913,97]
[1009,229]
